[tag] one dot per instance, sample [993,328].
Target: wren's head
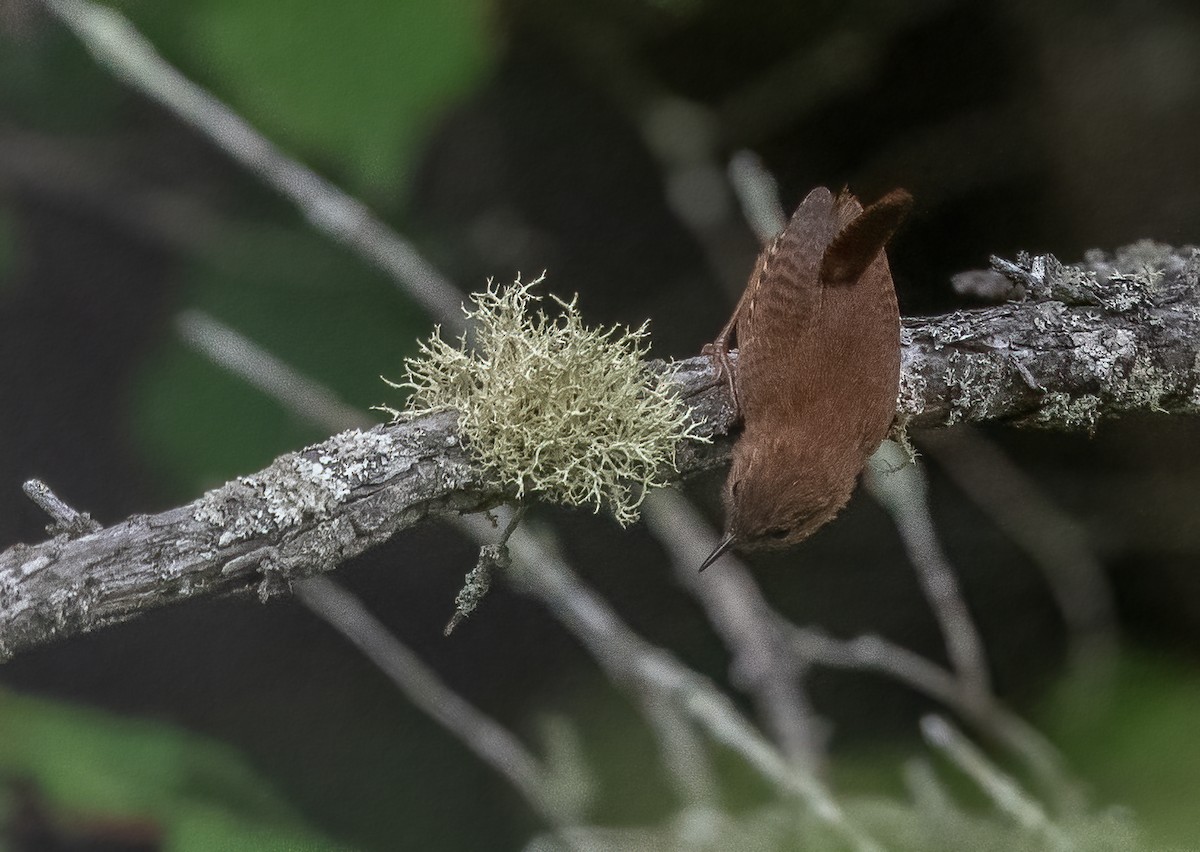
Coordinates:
[775,498]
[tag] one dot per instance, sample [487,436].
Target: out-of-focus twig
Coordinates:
[899,485]
[764,663]
[991,719]
[490,741]
[247,360]
[641,667]
[999,787]
[1055,541]
[758,194]
[118,46]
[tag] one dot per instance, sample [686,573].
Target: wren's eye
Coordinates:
[779,533]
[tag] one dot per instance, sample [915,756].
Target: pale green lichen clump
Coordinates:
[552,407]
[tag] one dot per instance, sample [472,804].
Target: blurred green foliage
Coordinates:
[201,794]
[1133,742]
[355,86]
[352,90]
[51,83]
[1127,737]
[306,301]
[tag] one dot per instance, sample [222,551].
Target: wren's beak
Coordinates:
[723,545]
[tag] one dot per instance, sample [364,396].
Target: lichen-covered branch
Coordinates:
[1117,334]
[304,514]
[1127,340]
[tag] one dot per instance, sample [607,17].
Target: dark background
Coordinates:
[587,138]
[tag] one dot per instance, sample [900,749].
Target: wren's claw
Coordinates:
[719,352]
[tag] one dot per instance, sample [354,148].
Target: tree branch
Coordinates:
[1045,363]
[1063,362]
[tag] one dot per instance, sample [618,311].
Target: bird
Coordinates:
[817,333]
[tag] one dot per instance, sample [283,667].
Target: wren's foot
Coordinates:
[724,369]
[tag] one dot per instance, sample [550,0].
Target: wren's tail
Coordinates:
[861,239]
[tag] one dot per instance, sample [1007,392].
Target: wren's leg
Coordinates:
[718,350]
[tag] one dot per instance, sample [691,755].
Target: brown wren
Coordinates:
[817,333]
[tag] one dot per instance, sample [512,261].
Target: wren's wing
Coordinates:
[860,324]
[861,236]
[779,312]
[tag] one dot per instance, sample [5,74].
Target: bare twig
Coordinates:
[487,739]
[758,194]
[764,663]
[118,46]
[899,485]
[641,667]
[245,359]
[989,718]
[66,521]
[1055,541]
[492,557]
[999,787]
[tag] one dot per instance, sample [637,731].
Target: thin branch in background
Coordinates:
[118,46]
[1004,791]
[490,741]
[245,359]
[990,718]
[627,658]
[764,664]
[758,194]
[871,653]
[898,484]
[1055,541]
[684,754]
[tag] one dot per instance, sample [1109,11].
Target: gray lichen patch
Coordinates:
[969,384]
[1066,412]
[1132,277]
[1147,385]
[297,488]
[1103,350]
[910,397]
[1195,379]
